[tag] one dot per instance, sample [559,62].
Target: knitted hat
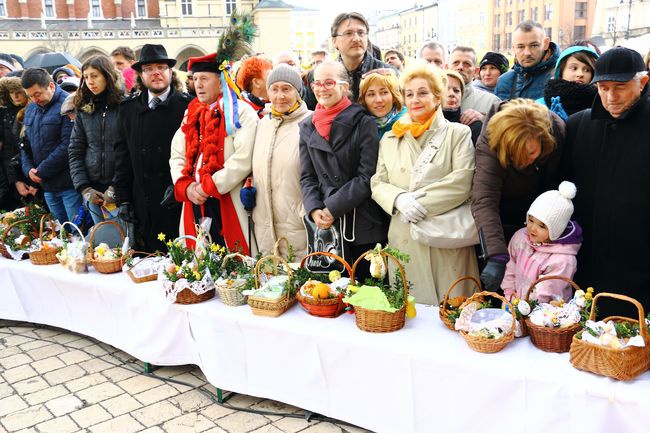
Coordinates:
[286,73]
[554,208]
[497,60]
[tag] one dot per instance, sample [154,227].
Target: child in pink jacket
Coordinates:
[548,245]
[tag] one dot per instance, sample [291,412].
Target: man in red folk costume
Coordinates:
[211,152]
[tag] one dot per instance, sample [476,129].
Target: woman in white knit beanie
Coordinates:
[547,246]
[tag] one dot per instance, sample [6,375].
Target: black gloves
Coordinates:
[126,213]
[492,274]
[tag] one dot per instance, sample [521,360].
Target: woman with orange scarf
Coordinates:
[425,168]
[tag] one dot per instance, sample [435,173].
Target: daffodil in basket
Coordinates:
[185,273]
[235,273]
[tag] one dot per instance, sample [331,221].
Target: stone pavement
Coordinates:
[52,380]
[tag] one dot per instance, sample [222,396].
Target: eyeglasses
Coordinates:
[152,69]
[350,34]
[381,71]
[327,84]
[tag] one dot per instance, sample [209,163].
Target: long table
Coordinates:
[423,378]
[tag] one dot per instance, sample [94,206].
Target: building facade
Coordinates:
[564,21]
[618,21]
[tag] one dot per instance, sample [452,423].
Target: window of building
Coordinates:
[581,9]
[96,8]
[3,8]
[186,7]
[496,44]
[548,12]
[230,6]
[508,43]
[497,21]
[611,24]
[549,32]
[520,16]
[509,19]
[534,14]
[497,3]
[579,32]
[48,8]
[481,18]
[142,8]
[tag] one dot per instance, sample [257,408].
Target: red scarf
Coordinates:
[205,133]
[323,117]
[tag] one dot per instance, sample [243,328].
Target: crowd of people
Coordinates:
[383,151]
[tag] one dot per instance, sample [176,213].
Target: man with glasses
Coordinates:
[148,121]
[350,37]
[535,56]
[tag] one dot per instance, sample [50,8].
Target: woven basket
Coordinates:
[231,294]
[146,278]
[381,321]
[443,312]
[78,266]
[187,296]
[110,266]
[45,256]
[621,364]
[549,339]
[331,307]
[489,345]
[3,248]
[275,307]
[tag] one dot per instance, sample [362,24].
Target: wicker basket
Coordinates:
[549,339]
[331,307]
[45,256]
[187,296]
[3,248]
[443,312]
[274,307]
[146,278]
[231,294]
[621,364]
[489,345]
[109,266]
[78,266]
[381,321]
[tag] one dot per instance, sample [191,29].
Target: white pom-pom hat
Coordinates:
[554,208]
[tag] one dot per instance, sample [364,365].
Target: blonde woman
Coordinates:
[379,93]
[517,158]
[425,168]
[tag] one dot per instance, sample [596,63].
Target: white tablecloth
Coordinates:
[423,378]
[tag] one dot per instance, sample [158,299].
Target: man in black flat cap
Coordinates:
[148,121]
[607,156]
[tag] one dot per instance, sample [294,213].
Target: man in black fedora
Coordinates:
[148,121]
[607,152]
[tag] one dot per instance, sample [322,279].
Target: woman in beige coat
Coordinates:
[414,180]
[276,165]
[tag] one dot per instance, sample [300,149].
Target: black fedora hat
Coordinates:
[152,53]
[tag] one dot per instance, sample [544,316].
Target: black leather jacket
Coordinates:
[92,147]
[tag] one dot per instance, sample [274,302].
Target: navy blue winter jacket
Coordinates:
[528,83]
[48,135]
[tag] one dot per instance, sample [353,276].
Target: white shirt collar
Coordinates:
[162,97]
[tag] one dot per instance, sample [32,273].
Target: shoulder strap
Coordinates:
[431,149]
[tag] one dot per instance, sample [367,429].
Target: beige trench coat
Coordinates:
[447,181]
[238,153]
[276,173]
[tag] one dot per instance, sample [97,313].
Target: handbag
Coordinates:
[453,229]
[331,240]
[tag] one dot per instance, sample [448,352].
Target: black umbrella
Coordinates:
[51,61]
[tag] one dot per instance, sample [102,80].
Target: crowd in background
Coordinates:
[375,148]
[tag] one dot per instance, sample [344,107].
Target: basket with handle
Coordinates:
[377,320]
[444,305]
[46,255]
[74,264]
[484,344]
[330,307]
[143,279]
[276,246]
[105,266]
[230,290]
[3,247]
[272,307]
[620,364]
[187,296]
[547,338]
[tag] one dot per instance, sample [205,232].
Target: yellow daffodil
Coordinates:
[197,275]
[169,243]
[178,268]
[590,290]
[588,296]
[214,248]
[161,237]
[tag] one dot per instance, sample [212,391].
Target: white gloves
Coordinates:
[407,205]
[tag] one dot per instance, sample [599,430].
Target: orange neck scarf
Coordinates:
[417,129]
